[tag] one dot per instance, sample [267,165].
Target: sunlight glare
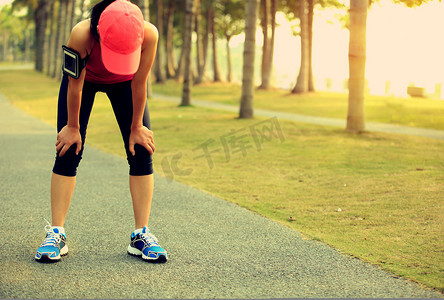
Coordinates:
[404,46]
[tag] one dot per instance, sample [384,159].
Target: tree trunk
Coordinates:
[311,87]
[188,28]
[144,6]
[181,64]
[246,105]
[302,81]
[58,40]
[5,52]
[51,40]
[201,72]
[216,77]
[267,66]
[229,69]
[82,11]
[66,31]
[357,58]
[40,18]
[72,19]
[27,43]
[265,21]
[67,20]
[169,47]
[159,69]
[199,46]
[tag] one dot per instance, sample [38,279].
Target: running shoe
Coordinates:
[145,244]
[53,247]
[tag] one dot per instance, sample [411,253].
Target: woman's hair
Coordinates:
[96,11]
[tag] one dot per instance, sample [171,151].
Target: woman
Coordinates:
[116,47]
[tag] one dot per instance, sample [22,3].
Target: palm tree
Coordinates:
[169,46]
[212,27]
[231,23]
[357,57]
[246,106]
[51,40]
[197,29]
[269,8]
[159,69]
[311,86]
[60,32]
[207,11]
[40,17]
[72,18]
[302,81]
[188,28]
[144,6]
[82,11]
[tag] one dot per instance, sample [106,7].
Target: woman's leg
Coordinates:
[64,172]
[141,188]
[62,188]
[141,179]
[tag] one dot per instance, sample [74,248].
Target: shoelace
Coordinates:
[149,238]
[52,238]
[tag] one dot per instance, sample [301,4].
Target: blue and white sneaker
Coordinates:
[144,243]
[54,246]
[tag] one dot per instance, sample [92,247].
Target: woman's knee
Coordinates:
[141,163]
[67,164]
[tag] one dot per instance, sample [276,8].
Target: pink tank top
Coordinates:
[96,71]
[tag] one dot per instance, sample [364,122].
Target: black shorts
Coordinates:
[120,96]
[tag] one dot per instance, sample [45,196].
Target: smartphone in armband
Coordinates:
[72,62]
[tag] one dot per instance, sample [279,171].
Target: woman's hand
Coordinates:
[142,136]
[66,138]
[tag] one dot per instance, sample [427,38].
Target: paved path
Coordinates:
[370,126]
[217,249]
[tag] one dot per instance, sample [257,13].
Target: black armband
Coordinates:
[73,64]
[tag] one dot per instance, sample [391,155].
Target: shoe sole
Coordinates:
[136,252]
[160,260]
[46,259]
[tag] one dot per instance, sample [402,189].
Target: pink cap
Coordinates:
[121,29]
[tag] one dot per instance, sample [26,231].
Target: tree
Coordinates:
[158,66]
[40,18]
[357,57]
[51,40]
[188,29]
[212,26]
[72,17]
[82,11]
[10,30]
[246,105]
[169,46]
[197,29]
[205,6]
[302,81]
[230,23]
[269,8]
[61,19]
[144,6]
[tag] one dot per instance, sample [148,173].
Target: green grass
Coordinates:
[416,112]
[374,196]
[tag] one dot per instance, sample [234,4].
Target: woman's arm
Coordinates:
[140,134]
[70,134]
